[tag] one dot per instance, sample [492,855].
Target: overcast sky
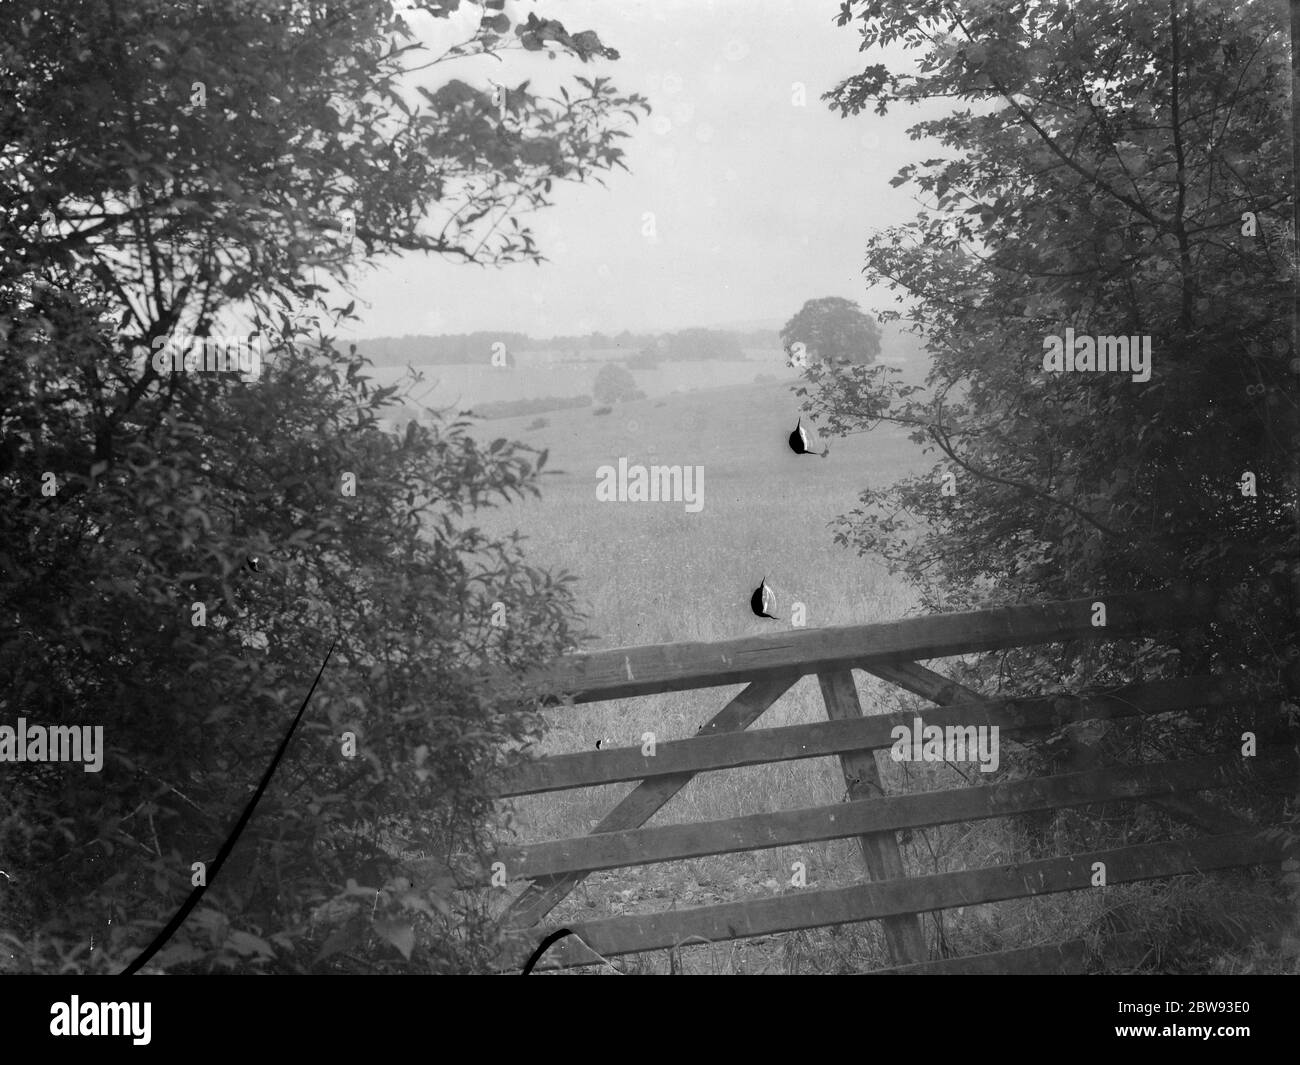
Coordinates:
[759,204]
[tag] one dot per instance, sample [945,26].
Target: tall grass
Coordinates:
[651,573]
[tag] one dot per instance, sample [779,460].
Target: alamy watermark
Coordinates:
[954,743]
[182,353]
[658,484]
[102,1018]
[57,743]
[1101,354]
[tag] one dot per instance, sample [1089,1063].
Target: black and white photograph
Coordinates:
[648,488]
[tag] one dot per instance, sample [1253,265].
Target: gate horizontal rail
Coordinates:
[1049,959]
[630,934]
[791,742]
[622,672]
[769,666]
[644,846]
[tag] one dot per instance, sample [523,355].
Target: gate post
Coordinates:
[880,850]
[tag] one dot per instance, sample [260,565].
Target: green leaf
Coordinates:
[338,941]
[400,934]
[245,943]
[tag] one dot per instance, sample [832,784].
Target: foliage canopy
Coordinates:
[135,207]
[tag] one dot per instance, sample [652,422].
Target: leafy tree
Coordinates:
[132,209]
[834,332]
[1123,218]
[1122,168]
[613,384]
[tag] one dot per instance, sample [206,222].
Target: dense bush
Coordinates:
[135,496]
[613,384]
[1050,485]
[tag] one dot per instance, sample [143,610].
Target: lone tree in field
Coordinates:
[613,384]
[170,168]
[834,332]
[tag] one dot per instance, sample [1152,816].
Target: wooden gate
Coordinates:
[769,666]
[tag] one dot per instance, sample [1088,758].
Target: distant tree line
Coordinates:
[650,348]
[694,344]
[442,350]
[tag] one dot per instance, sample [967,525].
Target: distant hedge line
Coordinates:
[514,408]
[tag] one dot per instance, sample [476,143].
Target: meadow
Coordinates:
[650,572]
[653,573]
[550,373]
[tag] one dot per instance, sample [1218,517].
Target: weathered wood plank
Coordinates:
[819,739]
[640,804]
[1073,956]
[1201,813]
[644,846]
[1049,960]
[1191,810]
[623,672]
[910,895]
[917,679]
[880,850]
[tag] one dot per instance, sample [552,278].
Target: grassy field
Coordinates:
[653,573]
[540,374]
[650,572]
